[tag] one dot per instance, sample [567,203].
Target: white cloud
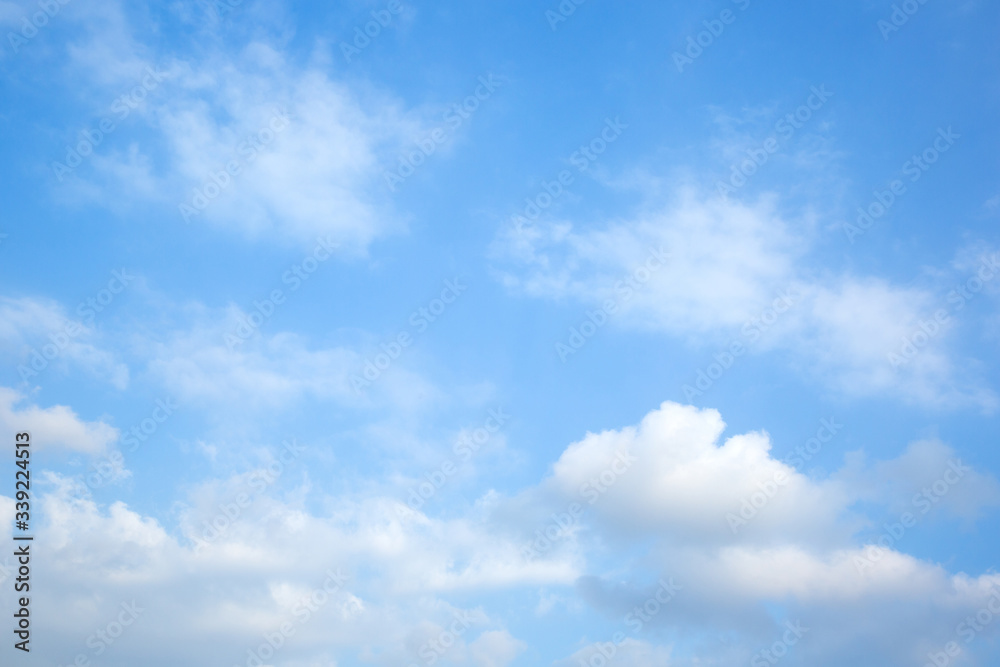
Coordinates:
[683,483]
[729,262]
[56,426]
[200,363]
[961,491]
[254,576]
[860,333]
[43,336]
[725,260]
[404,565]
[317,170]
[798,556]
[245,141]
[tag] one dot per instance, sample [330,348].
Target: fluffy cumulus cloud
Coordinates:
[241,567]
[736,532]
[674,475]
[680,480]
[740,272]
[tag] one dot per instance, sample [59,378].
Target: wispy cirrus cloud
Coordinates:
[729,261]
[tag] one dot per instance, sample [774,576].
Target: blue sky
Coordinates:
[502,322]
